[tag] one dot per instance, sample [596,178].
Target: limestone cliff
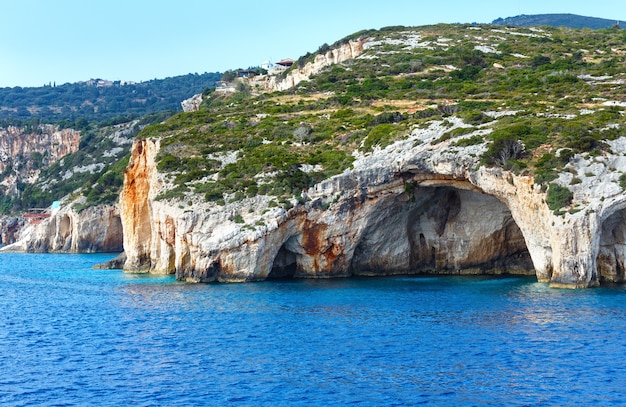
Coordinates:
[342,53]
[416,206]
[25,152]
[136,206]
[192,104]
[91,230]
[86,173]
[406,143]
[10,227]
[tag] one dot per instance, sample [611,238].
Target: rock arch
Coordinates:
[611,252]
[285,264]
[406,227]
[441,229]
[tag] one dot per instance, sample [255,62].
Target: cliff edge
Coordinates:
[411,207]
[444,149]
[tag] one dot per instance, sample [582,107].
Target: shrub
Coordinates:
[467,73]
[387,117]
[380,134]
[475,118]
[582,144]
[459,131]
[558,197]
[540,60]
[545,169]
[622,181]
[503,149]
[470,141]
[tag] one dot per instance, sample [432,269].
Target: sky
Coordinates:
[60,41]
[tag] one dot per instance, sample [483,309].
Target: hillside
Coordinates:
[438,149]
[557,20]
[455,149]
[93,167]
[530,91]
[100,100]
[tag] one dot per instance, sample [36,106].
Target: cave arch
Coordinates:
[441,229]
[285,264]
[611,256]
[65,226]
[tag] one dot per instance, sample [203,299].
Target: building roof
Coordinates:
[285,62]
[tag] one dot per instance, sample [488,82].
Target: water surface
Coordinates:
[73,335]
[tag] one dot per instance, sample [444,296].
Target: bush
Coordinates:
[475,117]
[558,197]
[387,117]
[545,168]
[503,149]
[454,133]
[470,141]
[380,135]
[622,181]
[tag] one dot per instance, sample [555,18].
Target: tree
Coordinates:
[502,150]
[228,76]
[302,133]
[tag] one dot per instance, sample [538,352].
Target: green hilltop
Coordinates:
[557,20]
[99,100]
[532,97]
[541,95]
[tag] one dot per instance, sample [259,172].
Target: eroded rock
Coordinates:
[412,207]
[96,229]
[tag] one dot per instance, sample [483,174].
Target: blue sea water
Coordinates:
[73,335]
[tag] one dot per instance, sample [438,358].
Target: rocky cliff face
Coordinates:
[94,229]
[344,52]
[192,104]
[25,152]
[416,206]
[10,227]
[136,207]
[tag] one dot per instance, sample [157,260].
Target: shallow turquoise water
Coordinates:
[72,335]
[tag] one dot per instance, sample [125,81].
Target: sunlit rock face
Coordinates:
[383,224]
[135,204]
[342,53]
[192,104]
[413,207]
[97,229]
[25,152]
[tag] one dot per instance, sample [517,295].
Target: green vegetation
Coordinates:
[556,20]
[284,142]
[533,98]
[100,100]
[622,181]
[558,197]
[95,171]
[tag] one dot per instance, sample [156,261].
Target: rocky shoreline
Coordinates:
[415,206]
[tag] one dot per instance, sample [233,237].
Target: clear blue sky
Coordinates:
[61,41]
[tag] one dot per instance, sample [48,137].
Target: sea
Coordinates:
[72,335]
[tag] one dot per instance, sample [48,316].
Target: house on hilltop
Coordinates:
[280,66]
[246,73]
[285,63]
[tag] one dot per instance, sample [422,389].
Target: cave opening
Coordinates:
[441,230]
[285,263]
[612,251]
